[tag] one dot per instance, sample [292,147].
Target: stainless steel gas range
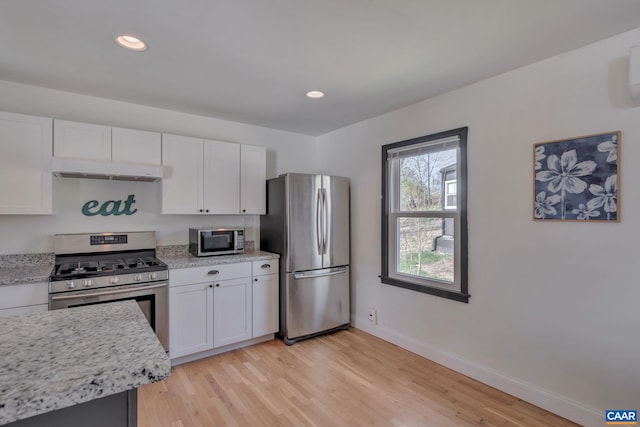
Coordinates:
[105,267]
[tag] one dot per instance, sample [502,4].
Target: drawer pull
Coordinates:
[213,272]
[265,266]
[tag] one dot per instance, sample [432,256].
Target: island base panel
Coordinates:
[117,410]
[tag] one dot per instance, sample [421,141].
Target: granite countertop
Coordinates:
[30,268]
[56,359]
[186,260]
[25,268]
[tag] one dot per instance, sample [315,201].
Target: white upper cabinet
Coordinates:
[253,169]
[87,141]
[212,177]
[81,140]
[26,184]
[183,175]
[221,177]
[136,146]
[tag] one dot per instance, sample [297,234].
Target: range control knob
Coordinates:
[114,280]
[87,283]
[71,284]
[153,276]
[137,277]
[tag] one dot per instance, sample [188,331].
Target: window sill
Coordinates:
[456,296]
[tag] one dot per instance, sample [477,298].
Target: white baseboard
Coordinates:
[548,400]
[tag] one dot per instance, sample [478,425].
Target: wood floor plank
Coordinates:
[348,378]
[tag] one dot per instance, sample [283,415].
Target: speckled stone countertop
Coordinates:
[178,257]
[25,268]
[59,358]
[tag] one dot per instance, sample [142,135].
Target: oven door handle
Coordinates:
[99,294]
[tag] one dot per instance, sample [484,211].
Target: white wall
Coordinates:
[286,152]
[554,314]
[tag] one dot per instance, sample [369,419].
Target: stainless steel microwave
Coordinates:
[216,241]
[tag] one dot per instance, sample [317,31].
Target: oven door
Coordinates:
[152,299]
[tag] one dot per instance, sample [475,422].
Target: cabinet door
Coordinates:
[190,319]
[81,140]
[25,164]
[136,146]
[231,311]
[23,295]
[265,305]
[221,177]
[182,182]
[253,184]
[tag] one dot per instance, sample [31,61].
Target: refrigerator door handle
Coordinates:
[319,237]
[325,221]
[320,273]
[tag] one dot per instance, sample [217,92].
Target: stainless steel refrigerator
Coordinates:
[307,223]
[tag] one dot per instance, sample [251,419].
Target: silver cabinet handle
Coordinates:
[214,272]
[265,266]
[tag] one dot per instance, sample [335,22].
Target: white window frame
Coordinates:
[392,214]
[447,193]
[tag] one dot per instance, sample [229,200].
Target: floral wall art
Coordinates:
[578,179]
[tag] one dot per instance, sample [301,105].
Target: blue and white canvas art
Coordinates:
[577,179]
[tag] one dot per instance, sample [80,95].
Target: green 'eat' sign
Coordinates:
[110,207]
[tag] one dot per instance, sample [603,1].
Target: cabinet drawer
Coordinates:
[209,273]
[269,266]
[22,295]
[24,310]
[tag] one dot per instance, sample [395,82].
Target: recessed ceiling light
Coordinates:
[131,42]
[315,94]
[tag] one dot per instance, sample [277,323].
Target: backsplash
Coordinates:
[172,251]
[28,234]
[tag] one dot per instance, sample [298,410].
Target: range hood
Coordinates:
[117,171]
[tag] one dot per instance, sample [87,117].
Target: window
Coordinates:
[450,194]
[424,214]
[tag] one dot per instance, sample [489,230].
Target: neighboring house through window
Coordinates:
[424,224]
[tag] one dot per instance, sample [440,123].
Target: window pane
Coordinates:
[422,178]
[426,247]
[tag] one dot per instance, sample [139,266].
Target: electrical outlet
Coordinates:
[373,316]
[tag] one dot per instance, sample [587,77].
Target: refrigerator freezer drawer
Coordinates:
[315,301]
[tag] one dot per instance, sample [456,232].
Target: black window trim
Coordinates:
[463,295]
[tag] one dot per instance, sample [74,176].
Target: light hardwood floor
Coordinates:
[348,378]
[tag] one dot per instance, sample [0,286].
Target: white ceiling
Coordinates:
[253,60]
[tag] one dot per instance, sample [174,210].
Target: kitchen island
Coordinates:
[76,367]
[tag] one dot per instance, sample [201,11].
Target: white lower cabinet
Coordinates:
[24,298]
[231,311]
[265,287]
[191,319]
[216,306]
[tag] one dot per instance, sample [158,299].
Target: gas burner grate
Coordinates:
[112,265]
[78,268]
